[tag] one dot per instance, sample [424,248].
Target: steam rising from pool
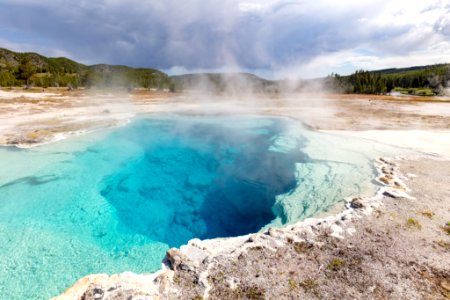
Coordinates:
[115,201]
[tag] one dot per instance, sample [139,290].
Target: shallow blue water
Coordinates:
[117,200]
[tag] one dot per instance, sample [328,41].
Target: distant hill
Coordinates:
[398,71]
[418,80]
[18,69]
[223,82]
[33,69]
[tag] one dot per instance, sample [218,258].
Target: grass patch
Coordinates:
[413,223]
[255,293]
[310,286]
[177,279]
[428,214]
[216,278]
[443,244]
[302,247]
[446,228]
[292,284]
[37,134]
[336,264]
[249,292]
[415,91]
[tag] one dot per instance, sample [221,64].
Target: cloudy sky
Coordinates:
[273,38]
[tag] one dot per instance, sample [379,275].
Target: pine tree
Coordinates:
[26,70]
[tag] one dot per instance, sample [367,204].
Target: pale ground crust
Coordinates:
[390,247]
[29,118]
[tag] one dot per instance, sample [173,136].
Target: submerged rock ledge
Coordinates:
[290,261]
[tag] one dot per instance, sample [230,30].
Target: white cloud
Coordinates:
[309,38]
[252,7]
[347,61]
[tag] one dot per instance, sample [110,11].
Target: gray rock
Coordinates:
[177,260]
[357,203]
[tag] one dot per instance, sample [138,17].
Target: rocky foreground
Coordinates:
[395,245]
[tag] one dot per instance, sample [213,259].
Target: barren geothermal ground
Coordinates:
[390,244]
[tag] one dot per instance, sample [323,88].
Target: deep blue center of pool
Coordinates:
[199,179]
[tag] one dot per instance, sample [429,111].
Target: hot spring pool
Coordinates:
[116,200]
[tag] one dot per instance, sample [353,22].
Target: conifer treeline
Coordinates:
[436,78]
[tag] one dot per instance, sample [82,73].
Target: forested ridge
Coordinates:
[422,81]
[32,69]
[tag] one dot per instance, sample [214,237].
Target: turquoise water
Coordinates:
[116,200]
